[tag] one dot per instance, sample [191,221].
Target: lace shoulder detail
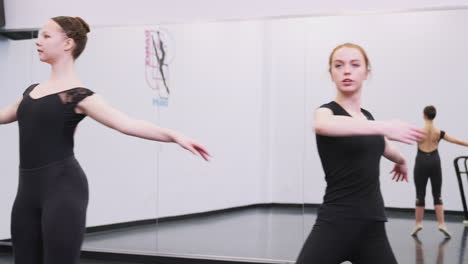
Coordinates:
[29,89]
[74,96]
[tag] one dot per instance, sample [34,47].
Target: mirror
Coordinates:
[246,90]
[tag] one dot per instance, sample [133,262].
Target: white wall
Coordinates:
[217,98]
[287,114]
[27,14]
[15,72]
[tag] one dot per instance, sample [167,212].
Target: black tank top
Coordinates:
[352,167]
[47,125]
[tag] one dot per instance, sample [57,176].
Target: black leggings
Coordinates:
[49,213]
[358,241]
[427,167]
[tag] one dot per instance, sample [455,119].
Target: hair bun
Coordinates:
[83,23]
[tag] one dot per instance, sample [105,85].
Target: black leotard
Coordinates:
[47,125]
[49,212]
[427,166]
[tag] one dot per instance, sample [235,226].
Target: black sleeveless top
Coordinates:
[47,125]
[442,135]
[352,167]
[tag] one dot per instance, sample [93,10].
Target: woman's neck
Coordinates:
[63,72]
[350,102]
[429,123]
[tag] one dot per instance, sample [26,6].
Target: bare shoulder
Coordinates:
[88,103]
[323,111]
[438,132]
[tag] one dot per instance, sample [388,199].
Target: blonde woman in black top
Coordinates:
[350,222]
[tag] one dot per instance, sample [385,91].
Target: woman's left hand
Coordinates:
[400,172]
[192,146]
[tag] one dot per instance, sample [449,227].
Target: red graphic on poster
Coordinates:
[158,56]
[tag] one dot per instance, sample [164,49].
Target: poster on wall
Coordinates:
[159,53]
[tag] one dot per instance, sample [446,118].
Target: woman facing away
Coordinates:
[49,212]
[427,167]
[350,224]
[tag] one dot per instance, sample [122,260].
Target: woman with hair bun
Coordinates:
[49,212]
[427,166]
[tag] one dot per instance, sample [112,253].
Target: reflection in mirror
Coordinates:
[247,90]
[420,251]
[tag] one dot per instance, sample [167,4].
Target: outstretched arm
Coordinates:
[327,124]
[95,107]
[8,115]
[455,140]
[400,169]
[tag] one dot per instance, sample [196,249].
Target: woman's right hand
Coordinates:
[400,172]
[397,130]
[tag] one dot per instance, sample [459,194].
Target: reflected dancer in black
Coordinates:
[427,167]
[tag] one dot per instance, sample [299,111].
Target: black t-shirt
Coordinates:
[47,125]
[351,165]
